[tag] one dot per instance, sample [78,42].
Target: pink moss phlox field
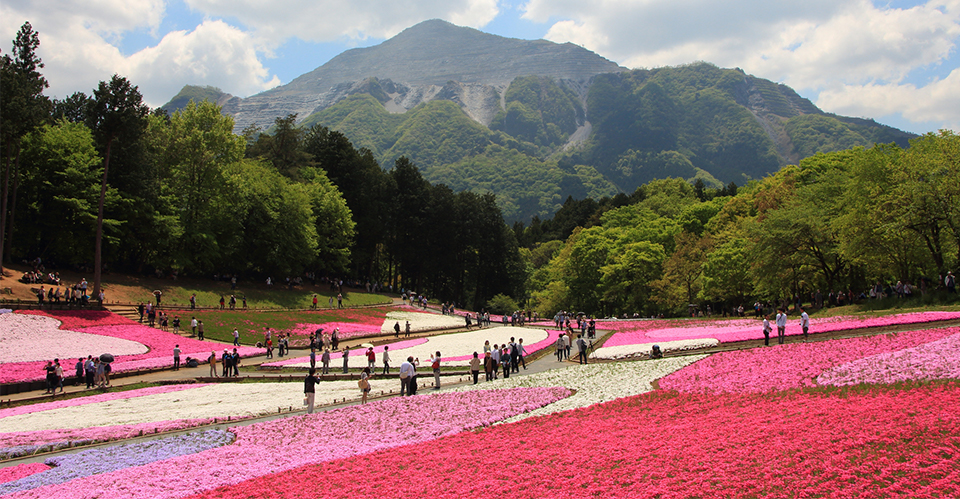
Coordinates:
[788,366]
[874,444]
[302,331]
[98,434]
[734,330]
[935,360]
[8,474]
[356,353]
[160,343]
[286,443]
[73,320]
[98,398]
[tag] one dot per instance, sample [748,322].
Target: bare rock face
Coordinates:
[432,60]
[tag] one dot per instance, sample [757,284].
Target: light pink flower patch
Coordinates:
[159,343]
[301,333]
[787,366]
[25,338]
[935,360]
[15,472]
[98,434]
[98,398]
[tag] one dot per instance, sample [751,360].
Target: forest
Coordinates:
[101,181]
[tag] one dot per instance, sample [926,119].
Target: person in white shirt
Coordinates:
[407,372]
[781,325]
[386,360]
[804,323]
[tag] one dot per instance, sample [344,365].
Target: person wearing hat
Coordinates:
[225,363]
[213,364]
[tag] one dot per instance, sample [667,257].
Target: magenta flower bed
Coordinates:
[8,474]
[302,331]
[874,444]
[787,366]
[935,360]
[284,444]
[734,330]
[160,343]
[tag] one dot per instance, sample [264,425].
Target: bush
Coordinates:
[502,304]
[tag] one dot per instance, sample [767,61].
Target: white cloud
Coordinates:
[215,53]
[846,48]
[77,45]
[334,20]
[937,102]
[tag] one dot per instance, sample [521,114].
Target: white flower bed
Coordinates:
[208,401]
[456,349]
[419,321]
[27,338]
[635,350]
[594,383]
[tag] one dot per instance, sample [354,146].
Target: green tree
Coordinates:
[59,192]
[24,108]
[115,113]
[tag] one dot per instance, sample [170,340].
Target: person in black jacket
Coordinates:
[309,388]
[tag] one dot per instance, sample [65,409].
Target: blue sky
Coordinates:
[896,62]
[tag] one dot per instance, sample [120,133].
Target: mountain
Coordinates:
[536,122]
[433,58]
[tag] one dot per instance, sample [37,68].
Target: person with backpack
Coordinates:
[582,348]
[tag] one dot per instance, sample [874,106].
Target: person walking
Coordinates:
[200,329]
[346,360]
[236,337]
[386,360]
[371,359]
[325,359]
[804,323]
[766,329]
[310,389]
[313,357]
[488,366]
[193,326]
[581,350]
[79,369]
[475,367]
[176,357]
[781,325]
[560,347]
[89,370]
[522,353]
[396,329]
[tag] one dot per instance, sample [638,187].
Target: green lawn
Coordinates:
[258,297]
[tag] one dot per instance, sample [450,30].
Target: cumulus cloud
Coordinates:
[843,48]
[335,20]
[78,44]
[937,102]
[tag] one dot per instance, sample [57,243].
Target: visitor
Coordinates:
[309,389]
[435,365]
[766,329]
[406,374]
[176,357]
[364,384]
[475,367]
[386,360]
[346,360]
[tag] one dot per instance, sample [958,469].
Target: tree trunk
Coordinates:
[98,246]
[3,208]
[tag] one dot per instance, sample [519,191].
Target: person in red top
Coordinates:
[371,359]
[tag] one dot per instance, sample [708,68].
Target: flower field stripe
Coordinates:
[16,472]
[875,444]
[74,320]
[25,338]
[17,444]
[359,354]
[456,348]
[734,330]
[283,444]
[97,398]
[419,321]
[593,383]
[87,463]
[935,360]
[635,350]
[781,367]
